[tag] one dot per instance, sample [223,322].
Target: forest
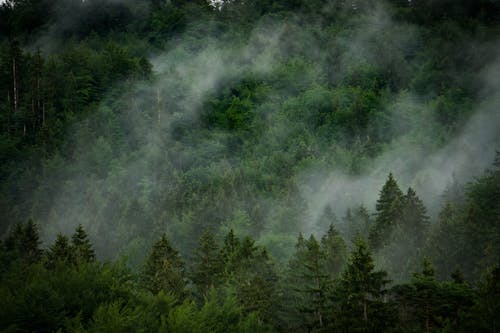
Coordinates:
[250,166]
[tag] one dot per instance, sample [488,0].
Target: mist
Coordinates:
[162,163]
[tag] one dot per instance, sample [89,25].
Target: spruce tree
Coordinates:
[361,292]
[307,286]
[207,263]
[388,212]
[291,296]
[82,248]
[23,242]
[414,218]
[60,252]
[335,250]
[229,251]
[427,290]
[357,223]
[316,282]
[164,269]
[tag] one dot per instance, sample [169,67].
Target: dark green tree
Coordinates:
[207,264]
[308,284]
[388,213]
[24,242]
[414,219]
[164,269]
[335,252]
[60,252]
[357,223]
[426,295]
[361,293]
[81,246]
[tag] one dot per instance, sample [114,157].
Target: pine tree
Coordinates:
[316,283]
[81,246]
[335,250]
[426,293]
[164,269]
[207,263]
[414,218]
[61,252]
[357,223]
[388,209]
[307,287]
[229,251]
[23,241]
[362,290]
[291,296]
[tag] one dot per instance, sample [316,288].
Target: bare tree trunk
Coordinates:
[158,105]
[14,83]
[8,113]
[43,114]
[38,84]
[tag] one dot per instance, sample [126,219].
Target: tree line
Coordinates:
[233,283]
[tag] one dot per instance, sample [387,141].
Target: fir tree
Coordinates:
[426,293]
[164,269]
[207,263]
[60,251]
[23,241]
[335,250]
[362,290]
[388,212]
[414,218]
[82,248]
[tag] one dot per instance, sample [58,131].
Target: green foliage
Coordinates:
[24,243]
[134,118]
[207,266]
[362,291]
[164,269]
[388,212]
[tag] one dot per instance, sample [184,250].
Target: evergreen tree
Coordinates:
[426,295]
[357,223]
[413,217]
[361,292]
[23,241]
[229,251]
[60,251]
[308,284]
[164,269]
[291,296]
[335,251]
[207,263]
[485,311]
[81,246]
[388,212]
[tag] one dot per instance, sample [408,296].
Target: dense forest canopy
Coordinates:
[290,166]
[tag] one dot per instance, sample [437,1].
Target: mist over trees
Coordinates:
[249,166]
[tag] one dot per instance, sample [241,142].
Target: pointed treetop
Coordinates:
[82,246]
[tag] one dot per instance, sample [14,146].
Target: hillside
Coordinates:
[302,160]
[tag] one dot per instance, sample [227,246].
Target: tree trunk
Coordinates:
[14,83]
[158,105]
[8,113]
[427,321]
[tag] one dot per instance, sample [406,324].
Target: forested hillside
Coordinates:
[250,166]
